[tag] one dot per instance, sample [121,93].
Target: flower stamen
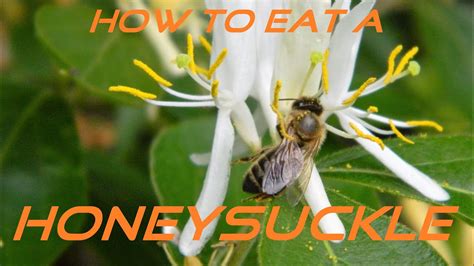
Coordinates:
[325,72]
[205,43]
[351,100]
[391,63]
[414,68]
[426,123]
[373,109]
[315,58]
[182,60]
[398,133]
[190,50]
[201,70]
[405,60]
[135,92]
[152,73]
[274,106]
[215,89]
[220,58]
[367,136]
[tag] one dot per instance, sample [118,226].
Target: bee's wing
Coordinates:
[284,167]
[296,189]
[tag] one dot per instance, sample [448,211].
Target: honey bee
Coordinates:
[288,165]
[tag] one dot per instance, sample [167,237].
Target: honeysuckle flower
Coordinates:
[162,42]
[230,79]
[328,75]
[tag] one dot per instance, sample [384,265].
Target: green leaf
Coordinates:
[177,181]
[40,166]
[362,251]
[97,60]
[448,70]
[115,184]
[446,159]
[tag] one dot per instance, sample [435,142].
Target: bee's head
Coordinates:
[308,104]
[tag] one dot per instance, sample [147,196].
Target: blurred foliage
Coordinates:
[53,95]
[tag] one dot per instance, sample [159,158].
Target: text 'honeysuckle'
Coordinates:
[306,63]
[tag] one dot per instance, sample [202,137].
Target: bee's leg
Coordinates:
[222,252]
[279,193]
[259,197]
[251,158]
[263,197]
[278,128]
[246,159]
[281,121]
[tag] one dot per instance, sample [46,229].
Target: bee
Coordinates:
[288,165]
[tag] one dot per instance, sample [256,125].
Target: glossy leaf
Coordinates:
[97,60]
[177,181]
[304,249]
[115,184]
[446,159]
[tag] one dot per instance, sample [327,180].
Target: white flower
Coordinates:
[162,42]
[229,79]
[328,75]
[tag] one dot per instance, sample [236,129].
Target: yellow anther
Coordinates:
[276,93]
[192,65]
[135,92]
[391,63]
[205,44]
[202,70]
[399,134]
[405,60]
[414,68]
[281,120]
[215,89]
[152,73]
[373,109]
[426,123]
[358,92]
[220,58]
[325,74]
[367,136]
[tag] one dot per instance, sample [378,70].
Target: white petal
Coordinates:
[202,159]
[237,72]
[343,52]
[342,4]
[172,230]
[293,57]
[409,174]
[215,185]
[317,199]
[267,47]
[245,126]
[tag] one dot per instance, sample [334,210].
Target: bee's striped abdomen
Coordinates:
[254,177]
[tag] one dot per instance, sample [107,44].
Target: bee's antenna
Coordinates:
[288,99]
